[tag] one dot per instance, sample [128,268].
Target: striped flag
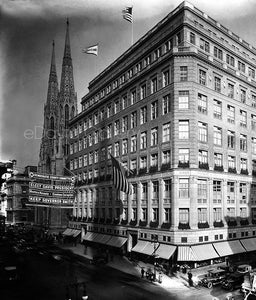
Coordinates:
[119,180]
[91,50]
[127,14]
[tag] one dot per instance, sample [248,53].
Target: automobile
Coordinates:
[213,277]
[244,268]
[233,281]
[8,273]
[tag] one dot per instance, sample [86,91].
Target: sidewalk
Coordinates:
[123,264]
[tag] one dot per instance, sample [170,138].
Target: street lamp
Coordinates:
[154,239]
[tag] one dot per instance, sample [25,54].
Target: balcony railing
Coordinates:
[244,171]
[166,225]
[218,223]
[218,168]
[204,166]
[124,222]
[244,222]
[153,224]
[143,223]
[133,222]
[142,171]
[153,169]
[203,225]
[183,164]
[183,226]
[232,223]
[232,170]
[165,167]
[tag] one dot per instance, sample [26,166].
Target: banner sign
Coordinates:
[51,189]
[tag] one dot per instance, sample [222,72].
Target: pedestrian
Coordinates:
[190,281]
[142,272]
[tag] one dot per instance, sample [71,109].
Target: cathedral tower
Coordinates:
[59,108]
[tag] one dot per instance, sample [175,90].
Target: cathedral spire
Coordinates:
[53,74]
[67,51]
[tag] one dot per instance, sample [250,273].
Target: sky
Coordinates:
[28,28]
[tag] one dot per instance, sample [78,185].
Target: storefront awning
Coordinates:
[116,241]
[102,238]
[139,247]
[76,232]
[204,252]
[228,247]
[149,249]
[165,251]
[67,231]
[249,244]
[90,236]
[185,253]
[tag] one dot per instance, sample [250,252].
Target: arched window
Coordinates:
[66,116]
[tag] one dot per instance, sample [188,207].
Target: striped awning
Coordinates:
[204,252]
[226,248]
[76,232]
[185,253]
[90,236]
[165,251]
[149,248]
[67,231]
[116,241]
[139,247]
[249,244]
[102,238]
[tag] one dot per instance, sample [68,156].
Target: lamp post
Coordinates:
[154,239]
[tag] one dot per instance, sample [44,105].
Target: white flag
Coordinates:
[91,50]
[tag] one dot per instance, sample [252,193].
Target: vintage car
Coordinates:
[213,277]
[244,268]
[233,281]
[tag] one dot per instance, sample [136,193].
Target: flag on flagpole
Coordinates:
[127,14]
[119,180]
[91,50]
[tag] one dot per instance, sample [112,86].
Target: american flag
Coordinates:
[127,14]
[119,180]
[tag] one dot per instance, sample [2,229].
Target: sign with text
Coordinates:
[51,189]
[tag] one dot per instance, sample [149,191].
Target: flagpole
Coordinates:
[132,27]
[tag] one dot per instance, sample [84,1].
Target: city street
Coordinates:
[55,273]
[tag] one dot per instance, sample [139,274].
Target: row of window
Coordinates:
[127,122]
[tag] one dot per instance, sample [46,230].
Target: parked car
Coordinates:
[233,281]
[8,273]
[213,277]
[244,268]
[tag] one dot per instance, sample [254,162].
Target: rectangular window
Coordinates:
[143,91]
[251,72]
[218,53]
[143,115]
[166,157]
[231,139]
[125,147]
[202,77]
[201,191]
[166,104]
[217,191]
[202,157]
[183,130]
[154,160]
[143,162]
[241,66]
[183,73]
[243,164]
[253,145]
[231,162]
[243,118]
[166,78]
[109,131]
[166,132]
[202,132]
[230,90]
[134,143]
[217,109]
[154,136]
[144,191]
[109,110]
[202,103]
[183,188]
[154,110]
[184,216]
[217,84]
[204,45]
[155,214]
[183,155]
[133,96]
[167,215]
[153,85]
[202,215]
[253,122]
[243,142]
[155,188]
[124,123]
[231,114]
[230,60]
[167,188]
[143,140]
[243,96]
[218,160]
[124,102]
[183,99]
[134,119]
[192,38]
[117,149]
[116,127]
[217,136]
[217,215]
